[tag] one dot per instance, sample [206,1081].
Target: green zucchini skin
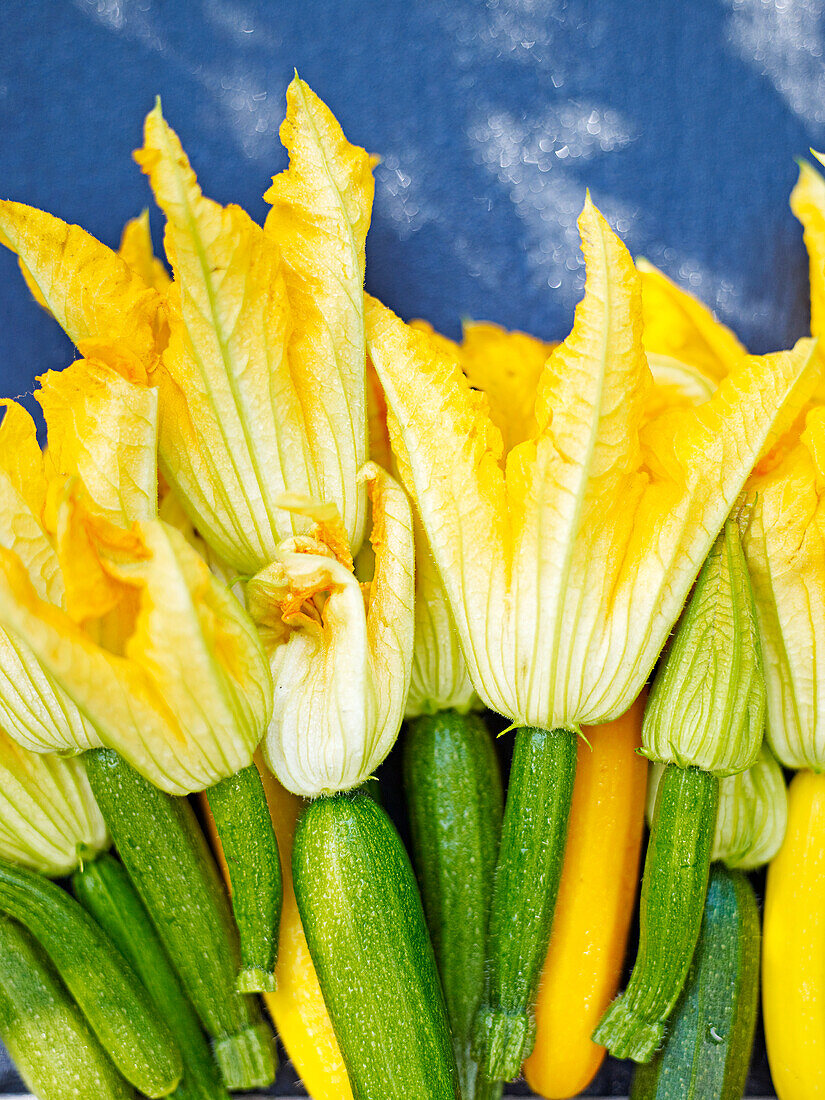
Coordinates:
[104,889]
[238,805]
[46,1034]
[526,885]
[168,860]
[670,912]
[365,928]
[708,1047]
[107,990]
[454,794]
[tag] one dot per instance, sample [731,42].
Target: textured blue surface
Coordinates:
[491,118]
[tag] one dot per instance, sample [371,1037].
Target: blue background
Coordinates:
[491,118]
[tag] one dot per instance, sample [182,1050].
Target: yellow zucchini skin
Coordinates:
[596,899]
[710,1035]
[46,1034]
[364,924]
[453,786]
[793,954]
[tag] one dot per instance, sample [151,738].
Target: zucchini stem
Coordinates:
[453,787]
[168,860]
[242,820]
[670,912]
[104,889]
[524,896]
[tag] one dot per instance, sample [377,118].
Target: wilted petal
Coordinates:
[187,697]
[49,819]
[321,208]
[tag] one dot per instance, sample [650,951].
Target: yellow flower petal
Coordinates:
[48,815]
[91,292]
[680,326]
[440,680]
[136,250]
[321,208]
[232,417]
[565,578]
[808,204]
[785,547]
[103,429]
[340,655]
[187,696]
[506,366]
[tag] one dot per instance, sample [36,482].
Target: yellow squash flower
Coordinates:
[439,679]
[120,613]
[262,380]
[49,819]
[341,651]
[567,559]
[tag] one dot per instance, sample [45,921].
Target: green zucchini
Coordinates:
[670,912]
[526,884]
[104,889]
[118,1008]
[238,805]
[169,862]
[454,794]
[708,1048]
[46,1034]
[364,925]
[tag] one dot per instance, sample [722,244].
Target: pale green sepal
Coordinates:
[707,703]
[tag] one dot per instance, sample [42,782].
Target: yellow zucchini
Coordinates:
[793,952]
[594,907]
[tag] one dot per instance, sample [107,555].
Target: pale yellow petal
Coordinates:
[449,455]
[324,710]
[103,429]
[34,708]
[390,608]
[49,819]
[136,250]
[92,293]
[232,434]
[808,204]
[321,209]
[21,459]
[439,680]
[678,325]
[785,547]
